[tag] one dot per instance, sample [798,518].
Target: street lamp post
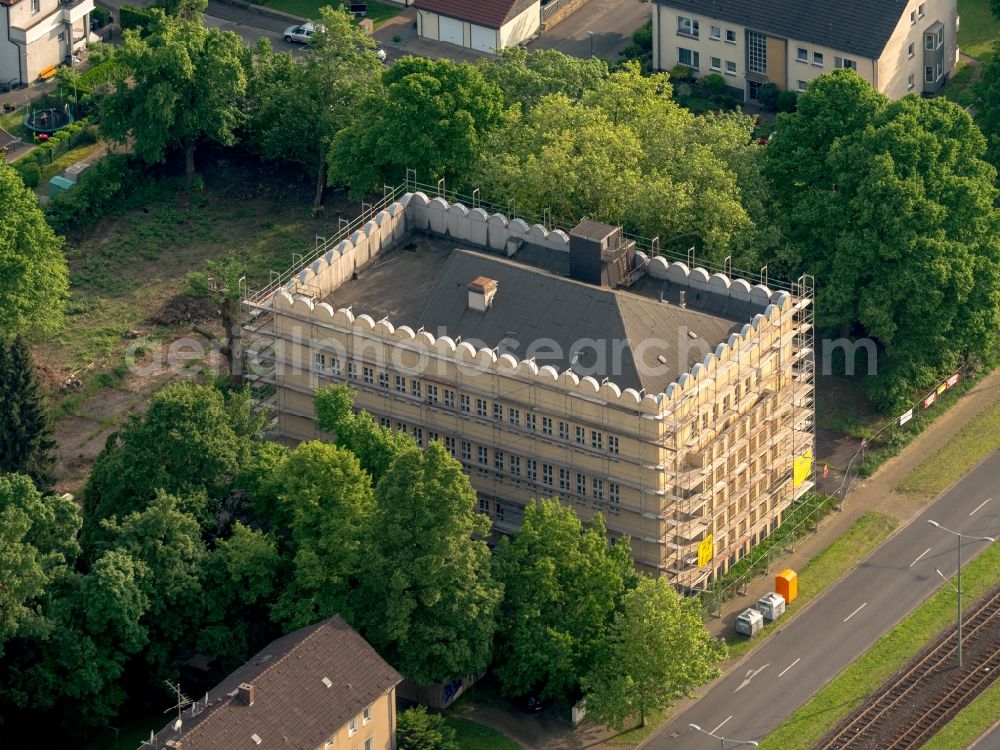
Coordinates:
[722,740]
[960,537]
[591,35]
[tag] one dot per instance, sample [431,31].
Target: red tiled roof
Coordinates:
[490,13]
[306,686]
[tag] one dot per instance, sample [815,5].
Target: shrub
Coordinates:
[110,187]
[418,730]
[643,37]
[713,83]
[30,172]
[767,95]
[681,73]
[102,16]
[130,17]
[788,101]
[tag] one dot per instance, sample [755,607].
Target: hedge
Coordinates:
[131,17]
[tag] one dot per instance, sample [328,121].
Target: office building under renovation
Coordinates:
[675,401]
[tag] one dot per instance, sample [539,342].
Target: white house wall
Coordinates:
[522,26]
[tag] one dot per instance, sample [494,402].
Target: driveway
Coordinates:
[612,22]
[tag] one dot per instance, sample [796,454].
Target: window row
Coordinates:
[692,27]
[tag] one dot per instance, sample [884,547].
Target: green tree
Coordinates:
[190,442]
[190,10]
[33,272]
[896,217]
[562,584]
[300,105]
[427,597]
[432,117]
[26,444]
[525,77]
[418,730]
[325,502]
[184,86]
[656,651]
[375,446]
[223,283]
[986,104]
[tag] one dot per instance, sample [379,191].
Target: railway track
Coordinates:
[929,690]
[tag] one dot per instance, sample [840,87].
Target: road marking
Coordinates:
[751,673]
[855,611]
[979,507]
[782,674]
[720,726]
[920,556]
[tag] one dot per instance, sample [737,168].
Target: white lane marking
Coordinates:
[920,556]
[855,611]
[980,506]
[720,726]
[782,673]
[751,673]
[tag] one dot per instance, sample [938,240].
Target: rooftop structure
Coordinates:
[675,401]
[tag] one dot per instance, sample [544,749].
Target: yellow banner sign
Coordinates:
[706,551]
[802,468]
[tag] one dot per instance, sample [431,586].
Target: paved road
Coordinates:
[989,741]
[612,22]
[835,629]
[250,26]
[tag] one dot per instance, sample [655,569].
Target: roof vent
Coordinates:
[246,693]
[256,739]
[481,293]
[327,682]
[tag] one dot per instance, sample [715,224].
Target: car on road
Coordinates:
[380,54]
[301,33]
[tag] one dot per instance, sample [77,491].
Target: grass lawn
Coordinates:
[976,440]
[850,688]
[970,722]
[978,30]
[378,12]
[473,736]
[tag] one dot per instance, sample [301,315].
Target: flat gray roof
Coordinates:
[627,336]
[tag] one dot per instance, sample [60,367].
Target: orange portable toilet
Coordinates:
[786,583]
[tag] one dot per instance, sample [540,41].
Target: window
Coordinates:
[383,379]
[929,74]
[335,367]
[613,444]
[563,431]
[546,425]
[369,744]
[466,451]
[909,51]
[319,362]
[497,411]
[909,82]
[484,505]
[529,421]
[581,485]
[433,436]
[928,41]
[415,388]
[547,475]
[432,394]
[329,743]
[730,68]
[920,10]
[564,480]
[352,727]
[687,26]
[352,371]
[940,36]
[366,716]
[532,472]
[401,427]
[717,64]
[480,407]
[688,57]
[802,87]
[400,384]
[913,17]
[598,486]
[818,59]
[385,423]
[35,6]
[464,403]
[802,54]
[449,444]
[614,493]
[449,398]
[730,36]
[484,457]
[499,511]
[514,417]
[369,375]
[596,440]
[498,463]
[515,467]
[581,436]
[715,32]
[849,64]
[418,435]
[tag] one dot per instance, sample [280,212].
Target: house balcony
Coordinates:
[68,12]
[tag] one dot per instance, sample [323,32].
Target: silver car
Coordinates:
[301,33]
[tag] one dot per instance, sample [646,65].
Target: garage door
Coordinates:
[483,39]
[451,30]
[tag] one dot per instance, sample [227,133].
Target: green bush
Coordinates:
[681,73]
[30,172]
[418,730]
[110,187]
[102,16]
[767,95]
[713,84]
[131,17]
[643,37]
[787,101]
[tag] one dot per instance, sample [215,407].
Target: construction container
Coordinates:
[58,185]
[749,622]
[786,583]
[771,606]
[73,173]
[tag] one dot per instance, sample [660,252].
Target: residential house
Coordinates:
[899,46]
[36,35]
[321,687]
[484,25]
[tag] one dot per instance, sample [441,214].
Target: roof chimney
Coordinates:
[246,693]
[481,293]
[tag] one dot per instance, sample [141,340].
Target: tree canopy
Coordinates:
[26,444]
[525,77]
[33,272]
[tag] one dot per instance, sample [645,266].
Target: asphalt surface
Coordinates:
[840,625]
[612,21]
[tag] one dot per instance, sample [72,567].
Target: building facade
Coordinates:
[675,402]
[483,25]
[38,34]
[898,46]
